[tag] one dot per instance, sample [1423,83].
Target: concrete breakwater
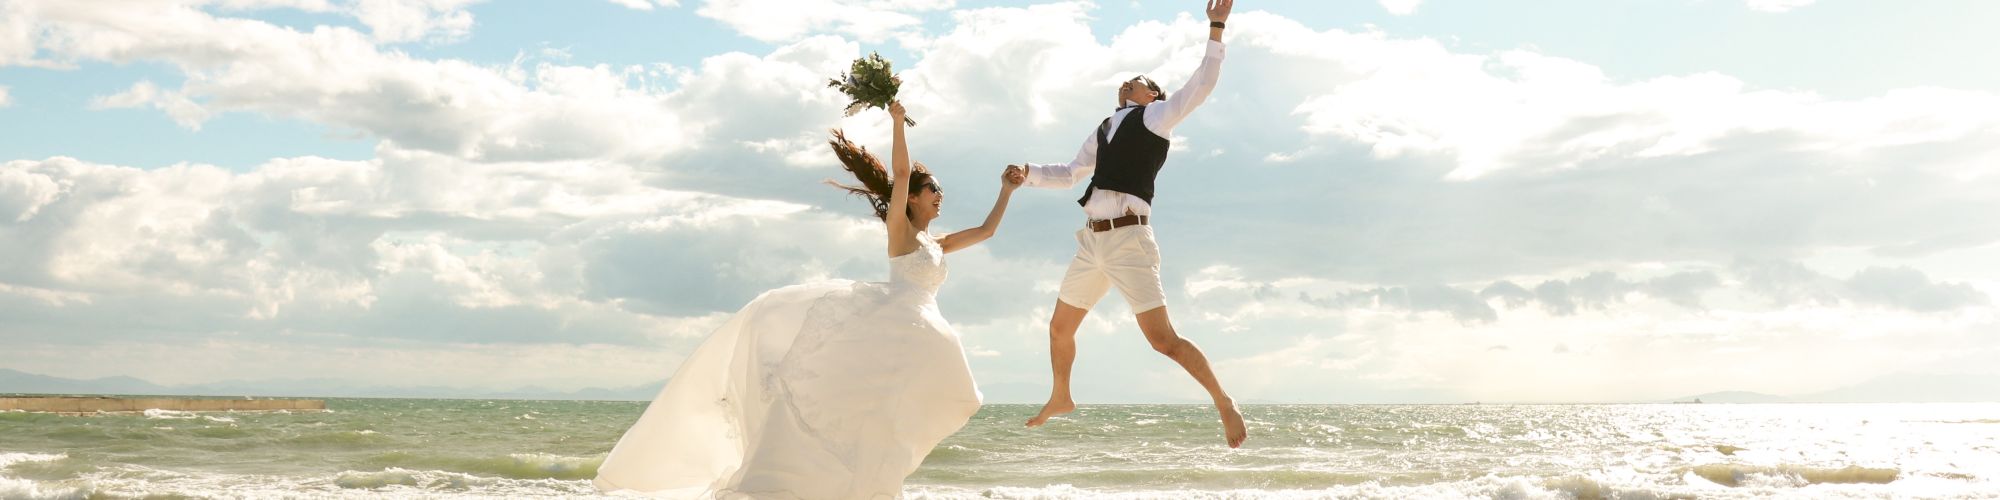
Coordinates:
[88,405]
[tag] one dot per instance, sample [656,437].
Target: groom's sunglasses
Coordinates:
[1148,82]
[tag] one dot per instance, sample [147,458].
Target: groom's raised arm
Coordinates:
[1065,175]
[1162,117]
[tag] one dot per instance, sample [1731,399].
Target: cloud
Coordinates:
[338,77]
[783,20]
[175,104]
[1432,204]
[5,99]
[304,5]
[1911,289]
[414,246]
[410,254]
[1462,305]
[1624,355]
[468,366]
[412,20]
[23,194]
[481,220]
[1320,340]
[1546,161]
[684,265]
[1777,5]
[1401,7]
[531,110]
[1789,284]
[1782,284]
[647,4]
[18,35]
[72,30]
[1522,110]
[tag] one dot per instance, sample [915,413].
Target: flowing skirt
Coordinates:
[831,390]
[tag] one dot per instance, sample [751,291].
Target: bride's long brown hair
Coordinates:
[876,185]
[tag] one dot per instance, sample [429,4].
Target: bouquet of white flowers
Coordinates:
[871,83]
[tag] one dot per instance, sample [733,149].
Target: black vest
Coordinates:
[1129,161]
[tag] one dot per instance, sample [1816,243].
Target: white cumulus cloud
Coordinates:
[412,20]
[1777,5]
[1401,7]
[780,20]
[647,4]
[1443,224]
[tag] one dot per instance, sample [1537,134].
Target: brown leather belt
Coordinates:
[1102,225]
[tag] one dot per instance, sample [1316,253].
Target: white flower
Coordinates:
[856,108]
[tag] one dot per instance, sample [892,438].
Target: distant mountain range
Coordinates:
[1898,388]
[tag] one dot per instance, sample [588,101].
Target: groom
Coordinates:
[1121,158]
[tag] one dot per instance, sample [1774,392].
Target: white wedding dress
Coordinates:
[830,390]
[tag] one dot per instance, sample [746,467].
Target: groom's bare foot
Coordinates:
[1056,406]
[1232,424]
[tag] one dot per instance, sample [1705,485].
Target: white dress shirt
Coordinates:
[1160,118]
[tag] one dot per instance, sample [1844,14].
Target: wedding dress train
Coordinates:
[834,390]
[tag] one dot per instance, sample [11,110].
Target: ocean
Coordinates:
[410,448]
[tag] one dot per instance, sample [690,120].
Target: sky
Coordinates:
[1393,201]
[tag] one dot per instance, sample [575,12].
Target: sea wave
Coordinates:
[170,414]
[417,483]
[24,416]
[9,459]
[159,414]
[413,483]
[134,482]
[1793,475]
[1212,478]
[340,439]
[1597,486]
[40,467]
[33,490]
[512,466]
[14,487]
[376,479]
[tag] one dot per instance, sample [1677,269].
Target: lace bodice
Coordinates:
[923,269]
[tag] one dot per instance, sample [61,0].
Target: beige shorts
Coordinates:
[1127,257]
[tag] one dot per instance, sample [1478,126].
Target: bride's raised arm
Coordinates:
[1009,180]
[902,238]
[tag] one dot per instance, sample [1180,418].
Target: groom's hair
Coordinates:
[876,185]
[1155,87]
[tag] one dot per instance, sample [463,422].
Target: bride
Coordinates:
[836,389]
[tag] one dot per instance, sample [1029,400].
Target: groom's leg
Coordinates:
[1137,274]
[1062,356]
[1160,332]
[1062,345]
[1082,286]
